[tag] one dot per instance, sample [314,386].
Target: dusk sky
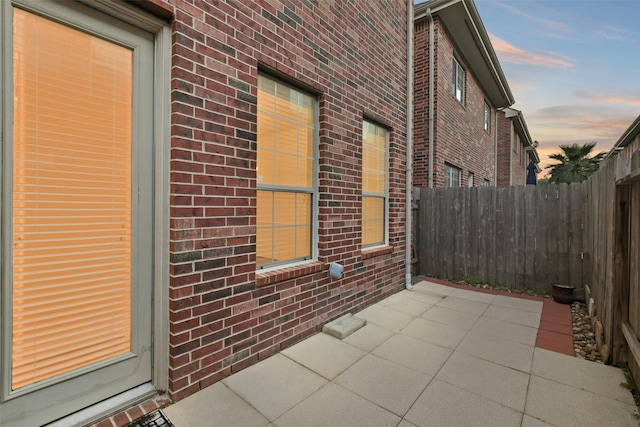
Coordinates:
[573,67]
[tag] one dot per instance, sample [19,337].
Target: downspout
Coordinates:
[431,94]
[409,144]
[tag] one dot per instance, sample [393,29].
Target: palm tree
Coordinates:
[575,164]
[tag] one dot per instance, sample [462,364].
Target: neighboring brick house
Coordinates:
[198,165]
[459,88]
[516,150]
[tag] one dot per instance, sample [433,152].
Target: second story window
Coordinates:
[487,117]
[458,81]
[451,175]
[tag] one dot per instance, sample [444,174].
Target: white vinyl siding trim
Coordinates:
[487,117]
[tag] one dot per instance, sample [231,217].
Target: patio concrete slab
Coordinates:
[498,350]
[217,403]
[464,305]
[369,337]
[496,382]
[518,303]
[385,317]
[324,355]
[593,377]
[435,333]
[403,302]
[514,315]
[487,326]
[425,296]
[387,384]
[565,406]
[333,405]
[473,296]
[274,385]
[528,421]
[425,286]
[405,423]
[414,354]
[443,404]
[459,319]
[451,365]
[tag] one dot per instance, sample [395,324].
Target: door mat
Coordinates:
[153,419]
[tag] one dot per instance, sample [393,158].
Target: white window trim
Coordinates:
[457,70]
[162,138]
[447,178]
[487,116]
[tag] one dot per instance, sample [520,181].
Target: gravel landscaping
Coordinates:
[584,341]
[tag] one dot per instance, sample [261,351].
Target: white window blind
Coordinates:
[285,173]
[374,183]
[71,199]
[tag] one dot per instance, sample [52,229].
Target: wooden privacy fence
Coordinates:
[519,237]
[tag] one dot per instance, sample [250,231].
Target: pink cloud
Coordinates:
[510,53]
[616,33]
[568,129]
[558,29]
[575,126]
[633,99]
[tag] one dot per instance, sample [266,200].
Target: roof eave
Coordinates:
[626,138]
[465,26]
[520,125]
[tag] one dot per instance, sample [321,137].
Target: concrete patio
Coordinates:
[434,356]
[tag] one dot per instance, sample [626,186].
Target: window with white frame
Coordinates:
[487,117]
[458,81]
[286,184]
[375,184]
[470,179]
[486,183]
[451,175]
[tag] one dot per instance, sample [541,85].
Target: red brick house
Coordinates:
[516,150]
[458,91]
[178,176]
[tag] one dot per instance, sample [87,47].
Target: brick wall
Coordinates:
[421,104]
[512,155]
[519,164]
[224,316]
[459,135]
[504,149]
